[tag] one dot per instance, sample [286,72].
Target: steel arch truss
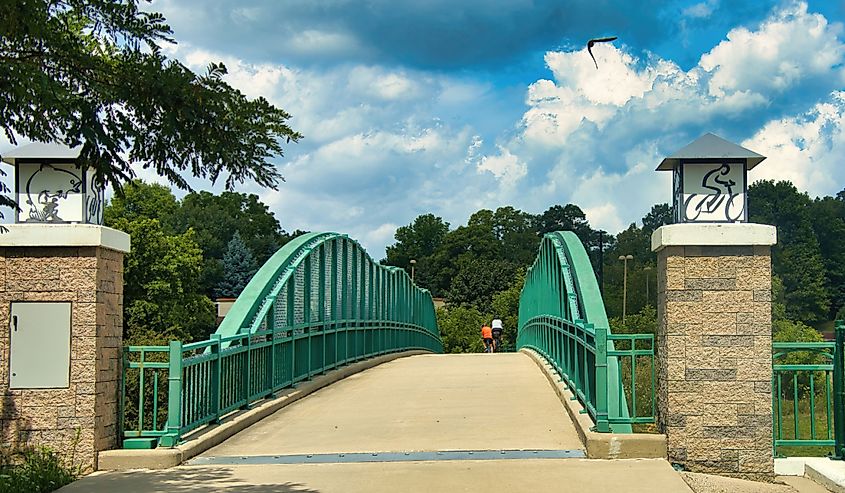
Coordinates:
[562,317]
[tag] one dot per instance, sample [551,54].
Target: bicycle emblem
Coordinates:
[723,197]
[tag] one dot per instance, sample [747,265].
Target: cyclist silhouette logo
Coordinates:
[723,197]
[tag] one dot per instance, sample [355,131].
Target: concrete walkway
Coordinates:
[535,476]
[420,403]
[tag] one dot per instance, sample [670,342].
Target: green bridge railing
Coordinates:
[562,317]
[319,303]
[808,397]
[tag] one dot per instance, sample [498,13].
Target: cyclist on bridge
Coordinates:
[487,337]
[497,334]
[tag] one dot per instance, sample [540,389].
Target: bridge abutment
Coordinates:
[714,347]
[61,303]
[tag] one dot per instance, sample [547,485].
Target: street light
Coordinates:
[625,259]
[647,270]
[413,263]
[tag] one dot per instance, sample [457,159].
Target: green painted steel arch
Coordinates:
[327,280]
[562,316]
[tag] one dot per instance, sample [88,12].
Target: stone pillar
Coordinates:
[714,347]
[82,265]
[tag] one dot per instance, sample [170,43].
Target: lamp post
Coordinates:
[625,259]
[413,263]
[647,270]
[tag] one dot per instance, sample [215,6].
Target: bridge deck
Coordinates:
[430,402]
[421,403]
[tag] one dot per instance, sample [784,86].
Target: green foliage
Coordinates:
[238,268]
[797,258]
[416,241]
[460,329]
[828,218]
[478,280]
[216,218]
[37,469]
[792,331]
[642,322]
[92,72]
[144,200]
[162,293]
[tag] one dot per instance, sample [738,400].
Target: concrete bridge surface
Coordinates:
[409,425]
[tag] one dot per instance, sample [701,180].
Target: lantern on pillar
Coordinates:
[53,186]
[710,180]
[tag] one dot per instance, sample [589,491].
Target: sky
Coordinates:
[411,107]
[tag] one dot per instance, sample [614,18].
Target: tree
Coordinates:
[418,241]
[92,73]
[797,258]
[659,215]
[516,232]
[216,218]
[162,293]
[460,329]
[144,200]
[828,218]
[238,268]
[478,280]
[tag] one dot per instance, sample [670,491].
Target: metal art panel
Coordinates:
[51,193]
[39,345]
[714,192]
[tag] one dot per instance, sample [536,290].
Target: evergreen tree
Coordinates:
[238,268]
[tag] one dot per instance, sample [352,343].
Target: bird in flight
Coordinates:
[592,42]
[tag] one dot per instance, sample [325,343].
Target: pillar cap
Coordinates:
[64,235]
[713,234]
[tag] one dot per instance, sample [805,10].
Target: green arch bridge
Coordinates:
[321,302]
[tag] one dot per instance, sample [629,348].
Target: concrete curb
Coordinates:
[204,439]
[601,445]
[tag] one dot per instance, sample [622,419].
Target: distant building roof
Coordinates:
[711,146]
[42,150]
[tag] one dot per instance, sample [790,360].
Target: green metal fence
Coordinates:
[802,394]
[319,303]
[808,396]
[562,317]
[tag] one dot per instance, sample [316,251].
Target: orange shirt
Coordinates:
[486,332]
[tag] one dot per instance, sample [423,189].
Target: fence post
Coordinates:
[215,376]
[839,392]
[121,409]
[174,396]
[602,423]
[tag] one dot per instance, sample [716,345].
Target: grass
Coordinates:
[805,417]
[35,469]
[645,392]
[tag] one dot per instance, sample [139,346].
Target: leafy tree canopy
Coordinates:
[797,257]
[92,72]
[144,200]
[162,293]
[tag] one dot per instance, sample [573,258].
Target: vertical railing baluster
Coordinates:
[839,391]
[174,396]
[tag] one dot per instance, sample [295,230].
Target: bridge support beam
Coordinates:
[714,347]
[61,313]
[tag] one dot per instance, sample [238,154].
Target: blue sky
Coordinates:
[410,107]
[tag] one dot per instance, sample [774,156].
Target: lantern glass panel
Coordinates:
[50,192]
[714,192]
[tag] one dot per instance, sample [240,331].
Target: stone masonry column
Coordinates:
[82,265]
[714,346]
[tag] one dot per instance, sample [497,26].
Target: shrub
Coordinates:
[36,469]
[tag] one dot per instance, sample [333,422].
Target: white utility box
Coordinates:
[39,356]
